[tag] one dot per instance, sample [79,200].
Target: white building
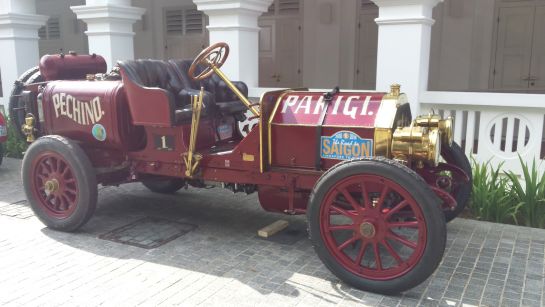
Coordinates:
[482,61]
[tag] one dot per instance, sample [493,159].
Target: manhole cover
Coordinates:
[149,232]
[20,210]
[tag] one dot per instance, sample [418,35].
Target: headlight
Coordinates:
[415,143]
[435,121]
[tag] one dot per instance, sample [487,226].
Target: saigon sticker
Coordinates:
[99,132]
[345,145]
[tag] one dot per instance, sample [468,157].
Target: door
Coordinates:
[366,55]
[519,63]
[288,53]
[185,33]
[280,45]
[514,47]
[537,67]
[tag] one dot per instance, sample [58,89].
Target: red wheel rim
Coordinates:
[54,185]
[373,227]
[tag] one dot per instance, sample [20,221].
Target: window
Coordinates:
[52,29]
[284,7]
[184,21]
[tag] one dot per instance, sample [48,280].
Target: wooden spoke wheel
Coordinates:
[377,225]
[59,182]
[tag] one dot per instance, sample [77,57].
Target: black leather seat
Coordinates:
[161,74]
[226,101]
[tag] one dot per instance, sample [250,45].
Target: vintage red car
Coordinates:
[377,186]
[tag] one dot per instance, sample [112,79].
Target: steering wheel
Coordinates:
[213,55]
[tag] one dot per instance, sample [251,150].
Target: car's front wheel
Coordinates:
[376,225]
[59,182]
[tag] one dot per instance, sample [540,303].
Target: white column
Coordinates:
[19,51]
[235,22]
[109,27]
[404,39]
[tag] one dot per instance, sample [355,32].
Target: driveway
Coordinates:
[200,247]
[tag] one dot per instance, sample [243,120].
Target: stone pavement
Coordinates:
[200,247]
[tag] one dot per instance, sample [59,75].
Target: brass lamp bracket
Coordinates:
[191,158]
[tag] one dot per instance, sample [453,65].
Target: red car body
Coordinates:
[311,152]
[3,129]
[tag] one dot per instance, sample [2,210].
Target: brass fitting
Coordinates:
[395,91]
[435,121]
[417,144]
[28,128]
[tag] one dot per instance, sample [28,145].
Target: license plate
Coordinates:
[345,145]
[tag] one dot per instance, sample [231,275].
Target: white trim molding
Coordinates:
[110,27]
[235,23]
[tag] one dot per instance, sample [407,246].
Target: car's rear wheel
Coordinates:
[59,182]
[376,225]
[164,186]
[17,108]
[1,153]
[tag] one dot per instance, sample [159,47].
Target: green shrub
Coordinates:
[491,199]
[529,194]
[15,146]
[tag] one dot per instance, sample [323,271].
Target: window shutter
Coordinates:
[271,9]
[288,7]
[366,4]
[53,28]
[42,33]
[174,20]
[194,22]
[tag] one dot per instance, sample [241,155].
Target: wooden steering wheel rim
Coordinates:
[203,56]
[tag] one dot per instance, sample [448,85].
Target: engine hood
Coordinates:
[346,109]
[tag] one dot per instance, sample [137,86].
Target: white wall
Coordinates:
[461,41]
[148,40]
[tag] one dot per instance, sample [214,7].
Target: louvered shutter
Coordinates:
[194,22]
[42,33]
[53,28]
[288,7]
[174,20]
[365,4]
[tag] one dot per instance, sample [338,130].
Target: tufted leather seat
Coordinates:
[161,74]
[173,78]
[226,101]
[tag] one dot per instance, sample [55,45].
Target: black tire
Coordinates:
[82,171]
[422,194]
[1,153]
[17,113]
[164,186]
[455,155]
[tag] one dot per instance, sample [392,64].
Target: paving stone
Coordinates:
[222,262]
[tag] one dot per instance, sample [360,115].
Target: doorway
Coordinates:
[519,56]
[185,32]
[280,45]
[366,55]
